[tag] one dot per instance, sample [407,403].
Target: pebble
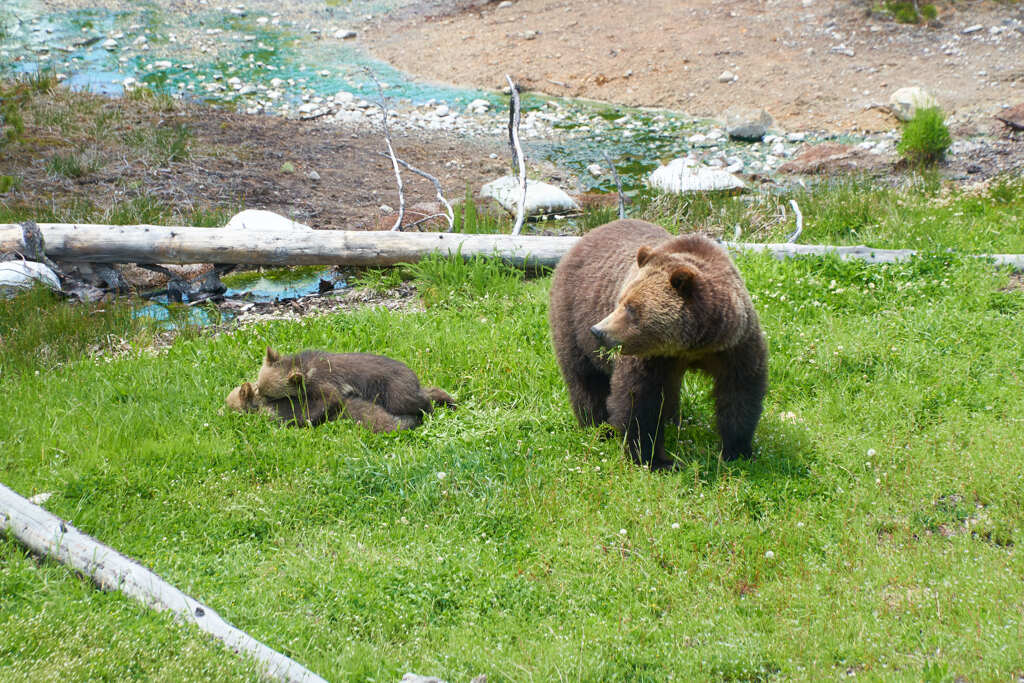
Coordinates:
[727,77]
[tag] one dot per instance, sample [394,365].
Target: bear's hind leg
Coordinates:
[741,383]
[376,418]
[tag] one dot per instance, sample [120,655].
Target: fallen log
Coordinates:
[161,244]
[47,535]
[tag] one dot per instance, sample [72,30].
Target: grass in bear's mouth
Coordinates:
[876,530]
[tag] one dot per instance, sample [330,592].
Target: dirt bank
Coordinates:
[812,64]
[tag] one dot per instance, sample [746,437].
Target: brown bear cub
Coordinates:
[670,304]
[246,399]
[380,393]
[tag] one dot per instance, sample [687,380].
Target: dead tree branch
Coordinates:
[391,151]
[517,154]
[793,236]
[47,535]
[449,213]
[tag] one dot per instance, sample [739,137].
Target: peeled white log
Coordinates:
[859,252]
[47,535]
[159,244]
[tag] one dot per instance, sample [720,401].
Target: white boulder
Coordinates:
[541,198]
[905,102]
[18,275]
[680,176]
[263,221]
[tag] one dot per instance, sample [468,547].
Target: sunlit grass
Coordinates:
[875,531]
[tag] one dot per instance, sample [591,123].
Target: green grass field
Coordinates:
[875,532]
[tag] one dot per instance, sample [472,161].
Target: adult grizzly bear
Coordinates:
[380,393]
[670,304]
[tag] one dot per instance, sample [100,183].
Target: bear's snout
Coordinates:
[603,337]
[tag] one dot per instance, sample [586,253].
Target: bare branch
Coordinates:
[618,184]
[517,154]
[391,152]
[47,535]
[793,236]
[449,213]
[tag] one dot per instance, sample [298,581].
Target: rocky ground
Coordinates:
[812,64]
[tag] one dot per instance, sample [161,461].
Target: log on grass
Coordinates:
[161,244]
[47,535]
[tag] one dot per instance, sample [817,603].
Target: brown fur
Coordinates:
[379,392]
[670,305]
[246,398]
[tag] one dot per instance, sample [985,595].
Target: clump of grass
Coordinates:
[381,280]
[9,182]
[14,97]
[925,137]
[469,220]
[909,12]
[162,145]
[40,330]
[443,280]
[73,165]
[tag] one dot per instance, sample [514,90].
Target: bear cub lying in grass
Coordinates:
[312,387]
[669,304]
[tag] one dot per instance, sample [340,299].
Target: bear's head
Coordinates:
[677,301]
[278,376]
[245,399]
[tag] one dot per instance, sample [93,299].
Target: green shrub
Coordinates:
[903,12]
[925,137]
[929,13]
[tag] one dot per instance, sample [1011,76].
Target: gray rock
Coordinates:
[746,125]
[345,34]
[727,77]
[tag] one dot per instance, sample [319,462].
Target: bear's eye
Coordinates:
[631,312]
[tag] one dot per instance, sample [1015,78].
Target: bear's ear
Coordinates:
[246,392]
[643,255]
[296,377]
[683,279]
[272,356]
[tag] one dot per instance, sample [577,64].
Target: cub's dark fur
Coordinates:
[379,392]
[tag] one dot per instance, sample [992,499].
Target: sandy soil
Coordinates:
[791,57]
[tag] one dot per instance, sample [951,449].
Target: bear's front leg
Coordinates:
[741,382]
[644,397]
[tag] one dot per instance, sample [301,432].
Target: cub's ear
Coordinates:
[272,356]
[683,279]
[296,377]
[643,255]
[246,392]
